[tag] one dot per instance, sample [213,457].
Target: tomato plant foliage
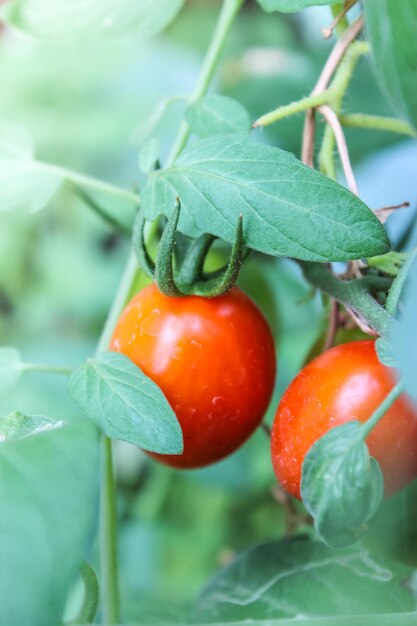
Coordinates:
[319,565]
[287,579]
[48,479]
[288,209]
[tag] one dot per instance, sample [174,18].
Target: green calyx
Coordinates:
[179,270]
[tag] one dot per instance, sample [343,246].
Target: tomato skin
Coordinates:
[345,383]
[213,358]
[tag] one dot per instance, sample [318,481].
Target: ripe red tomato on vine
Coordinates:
[213,358]
[345,383]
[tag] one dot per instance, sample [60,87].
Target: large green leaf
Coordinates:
[288,208]
[49,495]
[78,20]
[125,403]
[293,578]
[24,183]
[291,6]
[342,486]
[392,27]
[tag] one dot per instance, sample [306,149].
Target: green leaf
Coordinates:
[150,123]
[342,486]
[288,208]
[49,491]
[404,334]
[16,425]
[215,115]
[384,352]
[392,35]
[149,155]
[291,6]
[126,404]
[299,577]
[24,183]
[11,367]
[95,20]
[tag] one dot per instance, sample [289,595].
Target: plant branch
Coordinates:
[377,122]
[353,294]
[328,70]
[333,121]
[287,110]
[230,9]
[46,369]
[340,22]
[90,182]
[108,514]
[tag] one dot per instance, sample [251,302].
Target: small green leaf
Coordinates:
[288,208]
[385,353]
[24,183]
[214,115]
[16,425]
[150,123]
[95,20]
[11,367]
[284,580]
[342,486]
[49,491]
[149,155]
[291,6]
[392,35]
[126,404]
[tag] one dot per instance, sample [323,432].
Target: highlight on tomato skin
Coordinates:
[345,383]
[213,358]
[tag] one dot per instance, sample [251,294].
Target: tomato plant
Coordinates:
[345,383]
[167,235]
[214,360]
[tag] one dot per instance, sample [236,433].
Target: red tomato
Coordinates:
[345,383]
[213,358]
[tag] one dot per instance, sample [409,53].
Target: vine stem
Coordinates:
[228,13]
[108,512]
[46,369]
[353,294]
[333,121]
[328,70]
[89,182]
[377,122]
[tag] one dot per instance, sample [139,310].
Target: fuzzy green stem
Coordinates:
[381,410]
[353,294]
[229,10]
[343,22]
[89,182]
[89,606]
[327,163]
[108,543]
[287,110]
[108,513]
[377,122]
[46,369]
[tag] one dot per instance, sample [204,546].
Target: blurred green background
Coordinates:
[59,268]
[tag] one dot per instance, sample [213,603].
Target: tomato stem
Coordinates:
[381,410]
[89,605]
[353,294]
[46,369]
[230,9]
[108,544]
